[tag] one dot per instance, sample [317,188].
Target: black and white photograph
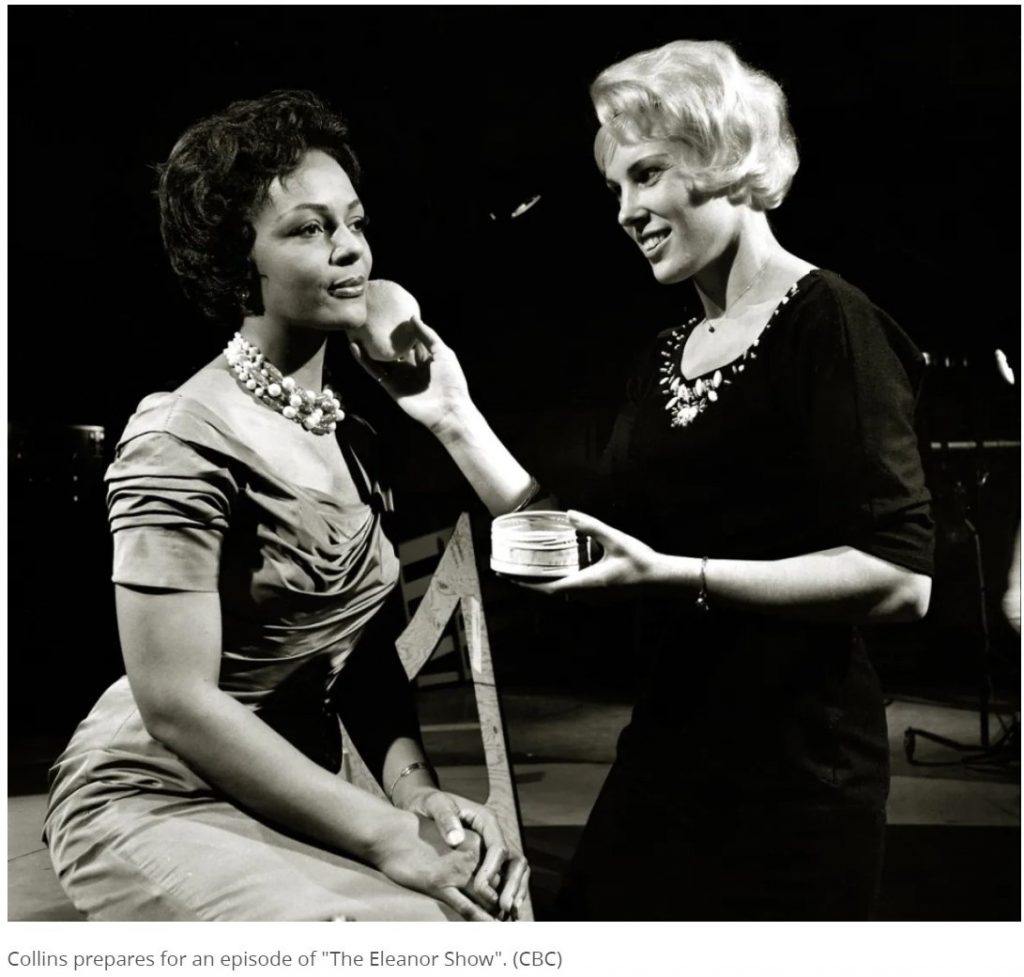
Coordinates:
[529,464]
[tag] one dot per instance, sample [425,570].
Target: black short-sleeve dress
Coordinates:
[751,781]
[134,832]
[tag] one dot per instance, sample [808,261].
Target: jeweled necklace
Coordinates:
[753,281]
[318,413]
[686,400]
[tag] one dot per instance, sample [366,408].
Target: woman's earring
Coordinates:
[249,294]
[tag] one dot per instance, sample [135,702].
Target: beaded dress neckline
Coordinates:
[686,400]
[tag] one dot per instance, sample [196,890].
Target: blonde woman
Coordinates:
[763,498]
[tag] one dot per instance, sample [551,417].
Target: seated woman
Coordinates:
[250,558]
[767,498]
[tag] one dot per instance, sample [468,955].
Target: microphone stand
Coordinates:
[1006,748]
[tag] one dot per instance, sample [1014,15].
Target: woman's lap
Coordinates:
[152,857]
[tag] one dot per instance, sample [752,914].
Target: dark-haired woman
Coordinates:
[250,560]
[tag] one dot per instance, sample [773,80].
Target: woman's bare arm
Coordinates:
[172,648]
[840,584]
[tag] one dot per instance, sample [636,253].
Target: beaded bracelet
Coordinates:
[412,768]
[702,597]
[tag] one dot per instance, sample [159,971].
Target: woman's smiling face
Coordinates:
[679,232]
[310,250]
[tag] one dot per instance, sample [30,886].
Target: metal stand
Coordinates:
[1005,750]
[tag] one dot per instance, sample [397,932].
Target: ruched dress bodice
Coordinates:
[194,507]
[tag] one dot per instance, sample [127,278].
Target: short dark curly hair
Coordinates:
[218,175]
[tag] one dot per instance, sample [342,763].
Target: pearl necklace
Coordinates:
[318,413]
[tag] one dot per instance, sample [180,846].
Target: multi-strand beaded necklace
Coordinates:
[318,413]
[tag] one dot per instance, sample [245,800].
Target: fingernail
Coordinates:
[455,837]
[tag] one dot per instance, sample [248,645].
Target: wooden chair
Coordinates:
[418,559]
[456,585]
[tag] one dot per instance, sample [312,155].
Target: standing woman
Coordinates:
[250,559]
[767,498]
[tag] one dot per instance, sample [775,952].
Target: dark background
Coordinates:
[908,121]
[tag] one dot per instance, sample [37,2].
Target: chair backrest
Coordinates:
[454,586]
[418,559]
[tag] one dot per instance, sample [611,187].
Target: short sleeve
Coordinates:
[856,385]
[168,503]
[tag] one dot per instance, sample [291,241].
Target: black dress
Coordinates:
[751,782]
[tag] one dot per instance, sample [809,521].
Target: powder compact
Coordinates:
[535,545]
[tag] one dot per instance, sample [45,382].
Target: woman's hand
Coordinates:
[428,384]
[419,858]
[625,563]
[501,881]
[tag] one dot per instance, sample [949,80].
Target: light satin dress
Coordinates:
[134,832]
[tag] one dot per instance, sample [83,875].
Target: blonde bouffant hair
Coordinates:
[731,118]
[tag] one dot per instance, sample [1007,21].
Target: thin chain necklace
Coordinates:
[736,301]
[318,413]
[686,400]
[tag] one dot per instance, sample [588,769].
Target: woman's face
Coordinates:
[310,249]
[680,233]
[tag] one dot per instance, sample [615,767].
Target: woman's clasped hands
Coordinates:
[455,851]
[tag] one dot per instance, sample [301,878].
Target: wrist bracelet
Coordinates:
[702,596]
[532,495]
[412,768]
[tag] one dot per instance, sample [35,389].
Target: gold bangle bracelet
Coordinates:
[412,768]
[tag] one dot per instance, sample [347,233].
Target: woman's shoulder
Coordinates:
[824,298]
[192,414]
[824,290]
[175,464]
[189,410]
[827,312]
[175,415]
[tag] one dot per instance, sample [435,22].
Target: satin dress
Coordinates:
[134,832]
